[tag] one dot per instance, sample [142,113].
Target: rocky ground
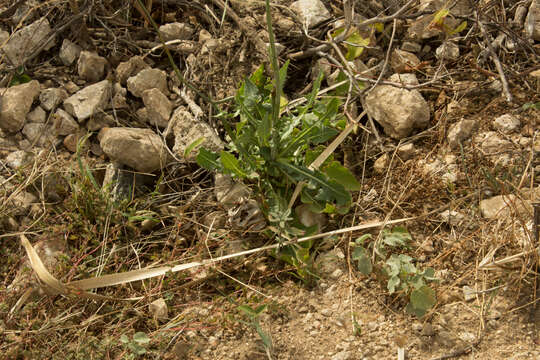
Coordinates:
[98,172]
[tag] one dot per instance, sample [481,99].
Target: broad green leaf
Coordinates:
[231,163]
[124,339]
[459,28]
[141,338]
[136,348]
[399,236]
[361,256]
[393,283]
[355,51]
[208,159]
[423,299]
[193,145]
[342,175]
[329,191]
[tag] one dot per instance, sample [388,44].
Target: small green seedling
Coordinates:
[136,344]
[401,274]
[253,315]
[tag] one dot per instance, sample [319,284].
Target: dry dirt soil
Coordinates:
[341,315]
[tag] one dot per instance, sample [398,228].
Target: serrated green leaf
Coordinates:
[141,338]
[329,191]
[342,175]
[231,164]
[193,145]
[208,159]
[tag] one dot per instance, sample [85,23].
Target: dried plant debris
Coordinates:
[282,180]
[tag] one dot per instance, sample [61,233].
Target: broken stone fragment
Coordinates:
[27,40]
[38,115]
[158,107]
[459,132]
[89,100]
[91,66]
[69,52]
[447,51]
[310,12]
[148,79]
[506,123]
[63,123]
[40,134]
[176,31]
[140,149]
[403,61]
[398,110]
[187,129]
[52,97]
[158,309]
[130,68]
[15,103]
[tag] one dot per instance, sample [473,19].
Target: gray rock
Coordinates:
[187,129]
[18,158]
[26,41]
[63,123]
[71,141]
[408,79]
[38,115]
[310,12]
[141,149]
[117,182]
[176,31]
[506,123]
[491,143]
[69,52]
[15,104]
[399,111]
[158,309]
[89,100]
[148,79]
[119,97]
[403,61]
[130,68]
[381,164]
[459,132]
[502,206]
[452,217]
[411,46]
[91,66]
[99,121]
[532,21]
[20,203]
[406,152]
[40,134]
[158,107]
[447,51]
[52,97]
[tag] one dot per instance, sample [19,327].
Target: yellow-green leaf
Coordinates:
[459,28]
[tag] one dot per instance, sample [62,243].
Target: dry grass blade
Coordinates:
[76,287]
